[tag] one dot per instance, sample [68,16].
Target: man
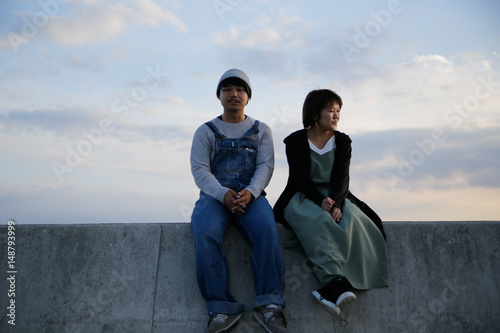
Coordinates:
[232,160]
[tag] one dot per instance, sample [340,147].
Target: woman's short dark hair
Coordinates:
[316,101]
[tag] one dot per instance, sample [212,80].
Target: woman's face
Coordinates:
[329,117]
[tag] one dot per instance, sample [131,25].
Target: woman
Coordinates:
[341,235]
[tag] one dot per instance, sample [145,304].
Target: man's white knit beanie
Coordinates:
[237,73]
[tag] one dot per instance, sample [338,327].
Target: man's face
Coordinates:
[233,98]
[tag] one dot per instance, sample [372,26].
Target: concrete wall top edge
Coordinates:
[178,223]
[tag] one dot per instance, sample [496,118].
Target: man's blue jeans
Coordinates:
[209,222]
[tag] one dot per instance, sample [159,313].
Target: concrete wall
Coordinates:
[445,277]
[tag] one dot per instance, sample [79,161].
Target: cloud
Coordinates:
[274,43]
[147,12]
[114,56]
[5,43]
[70,123]
[261,34]
[289,47]
[457,204]
[421,160]
[61,122]
[69,205]
[93,22]
[171,135]
[427,91]
[431,58]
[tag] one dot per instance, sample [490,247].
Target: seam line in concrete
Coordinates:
[156,281]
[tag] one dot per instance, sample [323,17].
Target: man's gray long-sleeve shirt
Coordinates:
[202,151]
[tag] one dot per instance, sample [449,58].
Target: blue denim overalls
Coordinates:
[233,164]
[234,160]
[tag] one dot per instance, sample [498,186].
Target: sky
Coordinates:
[99,101]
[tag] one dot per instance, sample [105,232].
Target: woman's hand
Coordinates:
[327,204]
[336,214]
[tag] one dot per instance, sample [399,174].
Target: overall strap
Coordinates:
[253,131]
[212,127]
[256,126]
[215,130]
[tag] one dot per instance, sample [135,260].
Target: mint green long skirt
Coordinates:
[354,247]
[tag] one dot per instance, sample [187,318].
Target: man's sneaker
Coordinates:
[220,322]
[338,292]
[272,319]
